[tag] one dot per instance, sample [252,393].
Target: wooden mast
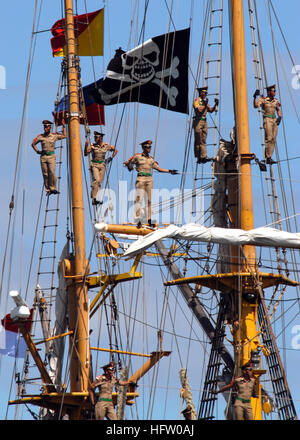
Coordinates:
[77,291]
[246,333]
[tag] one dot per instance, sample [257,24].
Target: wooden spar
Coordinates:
[154,358]
[109,350]
[52,338]
[124,229]
[245,335]
[47,382]
[77,291]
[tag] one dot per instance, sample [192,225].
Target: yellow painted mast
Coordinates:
[246,332]
[77,290]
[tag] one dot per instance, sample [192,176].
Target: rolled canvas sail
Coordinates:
[263,236]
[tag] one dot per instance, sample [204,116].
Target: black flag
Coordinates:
[155,73]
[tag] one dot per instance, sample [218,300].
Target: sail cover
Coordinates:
[57,346]
[263,236]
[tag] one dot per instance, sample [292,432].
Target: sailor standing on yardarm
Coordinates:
[106,383]
[144,183]
[201,108]
[48,159]
[98,162]
[245,386]
[270,105]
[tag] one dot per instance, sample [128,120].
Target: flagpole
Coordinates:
[76,268]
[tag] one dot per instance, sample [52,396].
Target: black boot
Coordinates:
[262,165]
[96,202]
[204,159]
[270,161]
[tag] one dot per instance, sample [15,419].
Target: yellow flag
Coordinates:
[88,32]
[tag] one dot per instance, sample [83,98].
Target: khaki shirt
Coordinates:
[106,386]
[99,151]
[245,387]
[48,142]
[269,106]
[201,112]
[143,163]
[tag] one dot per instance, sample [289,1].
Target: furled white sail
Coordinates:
[263,236]
[57,346]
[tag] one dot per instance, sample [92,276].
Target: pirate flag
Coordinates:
[155,73]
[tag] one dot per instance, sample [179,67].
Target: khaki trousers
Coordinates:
[48,165]
[200,135]
[271,129]
[98,173]
[105,409]
[242,411]
[143,186]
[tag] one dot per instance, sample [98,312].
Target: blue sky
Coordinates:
[169,128]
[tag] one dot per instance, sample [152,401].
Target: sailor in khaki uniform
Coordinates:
[245,386]
[98,162]
[48,159]
[201,108]
[144,183]
[106,383]
[270,105]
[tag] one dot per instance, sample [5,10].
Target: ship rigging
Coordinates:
[217,302]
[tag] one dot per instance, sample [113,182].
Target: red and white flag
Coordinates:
[11,341]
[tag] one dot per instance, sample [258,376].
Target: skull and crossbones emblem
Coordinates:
[141,66]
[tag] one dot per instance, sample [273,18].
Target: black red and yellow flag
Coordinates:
[88,32]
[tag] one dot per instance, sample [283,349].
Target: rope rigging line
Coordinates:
[191,328]
[110,311]
[272,194]
[118,130]
[284,198]
[196,80]
[36,19]
[16,179]
[285,205]
[49,235]
[285,42]
[161,326]
[212,71]
[62,86]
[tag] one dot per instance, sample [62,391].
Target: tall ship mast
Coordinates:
[102,313]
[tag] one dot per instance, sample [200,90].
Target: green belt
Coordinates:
[98,161]
[142,173]
[270,116]
[102,399]
[47,153]
[244,400]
